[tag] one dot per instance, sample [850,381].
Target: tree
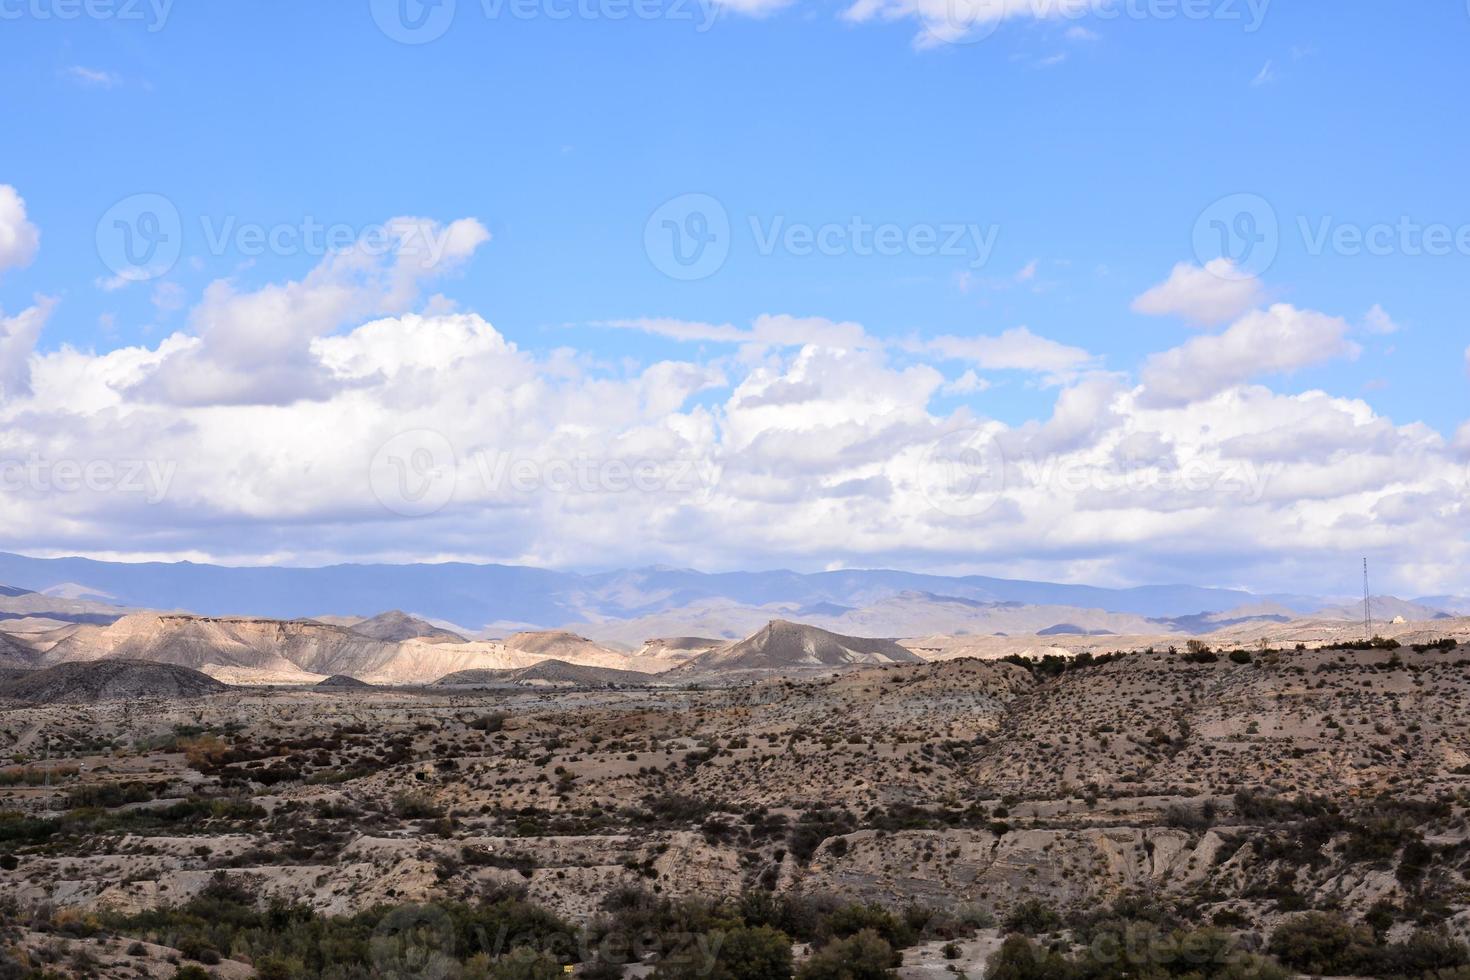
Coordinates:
[740,953]
[1020,959]
[864,956]
[1323,942]
[524,963]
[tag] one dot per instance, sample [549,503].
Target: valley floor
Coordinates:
[971,800]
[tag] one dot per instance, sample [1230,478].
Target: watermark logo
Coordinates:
[413,21]
[414,942]
[1246,230]
[963,473]
[1242,228]
[140,237]
[422,21]
[414,473]
[688,237]
[961,21]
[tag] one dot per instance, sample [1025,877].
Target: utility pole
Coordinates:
[1367,606]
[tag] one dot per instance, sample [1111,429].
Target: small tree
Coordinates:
[862,957]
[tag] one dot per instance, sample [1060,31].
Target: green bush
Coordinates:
[862,957]
[741,953]
[1322,942]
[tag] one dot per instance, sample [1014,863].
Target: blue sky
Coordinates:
[1088,146]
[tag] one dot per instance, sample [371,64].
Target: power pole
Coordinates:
[1367,606]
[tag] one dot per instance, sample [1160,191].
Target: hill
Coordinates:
[557,673]
[783,645]
[342,681]
[14,653]
[396,626]
[110,680]
[275,646]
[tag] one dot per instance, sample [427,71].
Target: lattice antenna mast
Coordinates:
[1367,605]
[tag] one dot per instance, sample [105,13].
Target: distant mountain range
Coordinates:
[510,597]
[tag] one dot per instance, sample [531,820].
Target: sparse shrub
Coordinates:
[416,806]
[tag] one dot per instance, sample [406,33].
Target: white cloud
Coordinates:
[1279,340]
[767,330]
[95,77]
[19,239]
[1377,321]
[753,8]
[1210,295]
[968,383]
[255,347]
[945,21]
[815,446]
[1017,349]
[18,336]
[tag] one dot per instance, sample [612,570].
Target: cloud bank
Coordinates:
[345,415]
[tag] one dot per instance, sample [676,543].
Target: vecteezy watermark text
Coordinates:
[152,13]
[690,237]
[141,237]
[971,21]
[417,941]
[36,475]
[967,473]
[423,21]
[1248,230]
[417,473]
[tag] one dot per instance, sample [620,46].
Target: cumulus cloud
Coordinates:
[957,20]
[1208,296]
[1278,340]
[19,239]
[18,336]
[818,445]
[1017,349]
[254,347]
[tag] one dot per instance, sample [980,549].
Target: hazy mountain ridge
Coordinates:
[481,594]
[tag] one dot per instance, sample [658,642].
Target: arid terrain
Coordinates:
[783,781]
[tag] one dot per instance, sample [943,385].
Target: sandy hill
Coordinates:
[678,648]
[276,646]
[61,607]
[109,680]
[783,645]
[551,643]
[269,651]
[396,626]
[557,673]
